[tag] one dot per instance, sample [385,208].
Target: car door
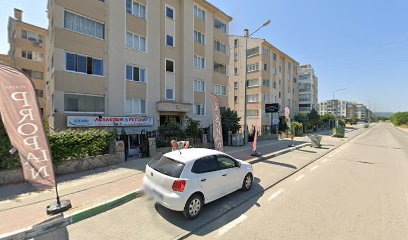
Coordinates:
[232,178]
[209,177]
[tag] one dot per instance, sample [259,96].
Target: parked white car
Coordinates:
[185,180]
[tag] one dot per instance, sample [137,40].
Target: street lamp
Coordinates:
[335,115]
[247,35]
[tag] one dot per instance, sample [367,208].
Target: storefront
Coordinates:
[134,131]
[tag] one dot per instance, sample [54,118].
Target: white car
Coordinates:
[187,179]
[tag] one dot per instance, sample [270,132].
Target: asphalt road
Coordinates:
[359,191]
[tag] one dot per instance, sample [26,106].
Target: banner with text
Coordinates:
[217,127]
[96,121]
[22,120]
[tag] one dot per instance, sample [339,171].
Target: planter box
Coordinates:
[338,132]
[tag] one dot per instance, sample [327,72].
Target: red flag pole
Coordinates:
[254,152]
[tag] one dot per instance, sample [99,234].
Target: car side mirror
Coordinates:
[238,164]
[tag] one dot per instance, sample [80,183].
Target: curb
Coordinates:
[275,154]
[185,235]
[60,221]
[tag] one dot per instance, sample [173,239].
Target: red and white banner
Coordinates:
[22,120]
[96,121]
[217,127]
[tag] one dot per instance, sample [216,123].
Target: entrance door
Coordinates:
[134,143]
[165,119]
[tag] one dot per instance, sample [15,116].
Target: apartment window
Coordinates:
[252,112]
[274,84]
[135,106]
[170,40]
[198,109]
[266,51]
[289,66]
[199,13]
[265,67]
[280,69]
[199,86]
[136,9]
[275,100]
[33,74]
[274,71]
[274,56]
[84,25]
[305,76]
[253,51]
[236,42]
[135,42]
[220,90]
[236,71]
[252,98]
[220,47]
[265,82]
[199,62]
[169,66]
[220,68]
[280,94]
[236,99]
[33,37]
[235,56]
[170,12]
[136,74]
[199,38]
[253,83]
[169,94]
[253,67]
[39,93]
[235,85]
[266,98]
[220,25]
[30,55]
[83,64]
[84,103]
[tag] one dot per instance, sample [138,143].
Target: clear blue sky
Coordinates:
[361,45]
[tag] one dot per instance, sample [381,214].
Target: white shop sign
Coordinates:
[95,121]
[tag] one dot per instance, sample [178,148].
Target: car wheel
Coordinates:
[193,206]
[246,185]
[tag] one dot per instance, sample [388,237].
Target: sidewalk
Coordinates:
[21,206]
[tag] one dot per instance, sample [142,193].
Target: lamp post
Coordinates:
[337,90]
[247,35]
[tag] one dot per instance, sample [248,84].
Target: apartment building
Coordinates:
[5,59]
[362,112]
[135,65]
[28,45]
[337,108]
[308,89]
[272,78]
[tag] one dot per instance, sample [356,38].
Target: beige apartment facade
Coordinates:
[135,65]
[272,78]
[308,89]
[28,46]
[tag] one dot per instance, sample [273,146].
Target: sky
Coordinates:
[358,45]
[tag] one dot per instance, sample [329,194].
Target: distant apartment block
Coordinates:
[153,61]
[28,45]
[335,107]
[308,89]
[272,78]
[5,59]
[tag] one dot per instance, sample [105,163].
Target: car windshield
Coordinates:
[167,166]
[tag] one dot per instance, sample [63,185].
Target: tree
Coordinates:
[193,128]
[302,118]
[229,122]
[327,117]
[314,117]
[399,118]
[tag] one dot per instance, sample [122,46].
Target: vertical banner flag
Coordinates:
[217,127]
[256,135]
[22,120]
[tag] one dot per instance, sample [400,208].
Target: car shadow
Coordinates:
[214,210]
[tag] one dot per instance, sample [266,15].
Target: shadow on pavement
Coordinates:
[58,229]
[266,160]
[214,210]
[303,150]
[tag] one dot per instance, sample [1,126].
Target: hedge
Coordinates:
[65,146]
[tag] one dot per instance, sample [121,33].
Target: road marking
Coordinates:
[231,225]
[313,168]
[275,194]
[324,160]
[300,177]
[330,156]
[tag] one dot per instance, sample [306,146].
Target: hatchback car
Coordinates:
[187,179]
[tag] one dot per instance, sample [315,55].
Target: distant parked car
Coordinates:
[185,180]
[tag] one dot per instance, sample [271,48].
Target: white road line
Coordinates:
[231,225]
[275,194]
[324,160]
[313,168]
[300,177]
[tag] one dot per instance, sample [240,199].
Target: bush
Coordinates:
[193,129]
[298,128]
[7,161]
[73,144]
[399,118]
[168,132]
